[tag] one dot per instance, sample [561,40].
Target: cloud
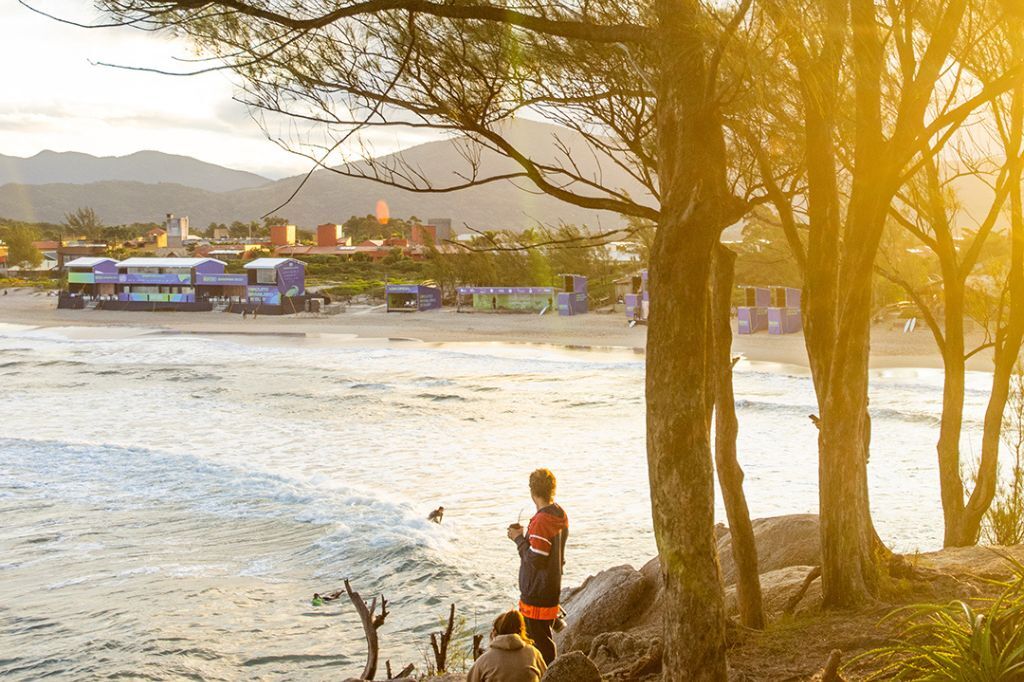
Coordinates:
[57,97]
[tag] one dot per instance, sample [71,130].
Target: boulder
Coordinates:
[606,602]
[572,667]
[782,541]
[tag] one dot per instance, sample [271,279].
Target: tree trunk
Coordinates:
[849,569]
[730,474]
[691,171]
[679,462]
[954,376]
[1008,345]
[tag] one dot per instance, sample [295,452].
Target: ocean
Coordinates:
[171,502]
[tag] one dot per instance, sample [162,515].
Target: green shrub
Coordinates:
[958,641]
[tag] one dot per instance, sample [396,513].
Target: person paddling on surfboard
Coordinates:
[321,599]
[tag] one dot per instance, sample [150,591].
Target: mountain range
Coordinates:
[74,168]
[144,186]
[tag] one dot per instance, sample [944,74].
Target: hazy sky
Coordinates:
[54,98]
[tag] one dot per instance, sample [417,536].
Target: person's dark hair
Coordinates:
[511,623]
[542,484]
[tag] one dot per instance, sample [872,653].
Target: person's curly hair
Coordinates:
[542,484]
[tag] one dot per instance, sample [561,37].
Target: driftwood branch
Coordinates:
[441,649]
[370,625]
[795,599]
[831,671]
[478,649]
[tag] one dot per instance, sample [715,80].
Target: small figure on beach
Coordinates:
[511,656]
[245,313]
[321,599]
[541,561]
[437,515]
[494,302]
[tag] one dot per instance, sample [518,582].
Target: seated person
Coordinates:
[511,656]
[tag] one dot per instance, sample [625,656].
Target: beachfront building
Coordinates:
[411,298]
[274,286]
[145,283]
[88,278]
[570,298]
[91,276]
[506,299]
[271,286]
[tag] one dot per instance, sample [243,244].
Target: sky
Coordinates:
[55,96]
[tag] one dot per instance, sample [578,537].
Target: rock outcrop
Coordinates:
[615,616]
[606,602]
[626,656]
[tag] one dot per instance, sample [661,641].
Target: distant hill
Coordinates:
[48,167]
[329,197]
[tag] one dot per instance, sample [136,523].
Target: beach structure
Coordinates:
[570,298]
[507,299]
[574,298]
[160,283]
[411,298]
[271,286]
[92,275]
[88,277]
[784,311]
[752,316]
[638,298]
[274,286]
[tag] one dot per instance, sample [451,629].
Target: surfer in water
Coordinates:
[436,516]
[321,599]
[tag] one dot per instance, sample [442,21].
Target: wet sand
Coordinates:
[890,347]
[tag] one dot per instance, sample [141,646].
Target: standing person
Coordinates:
[541,559]
[511,656]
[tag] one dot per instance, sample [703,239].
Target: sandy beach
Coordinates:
[890,347]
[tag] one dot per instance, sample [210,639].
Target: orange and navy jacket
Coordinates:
[542,555]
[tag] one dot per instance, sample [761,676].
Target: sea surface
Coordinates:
[169,503]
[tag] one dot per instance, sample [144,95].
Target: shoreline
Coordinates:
[594,332]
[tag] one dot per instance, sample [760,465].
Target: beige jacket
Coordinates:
[509,659]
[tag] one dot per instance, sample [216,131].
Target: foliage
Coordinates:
[20,251]
[84,222]
[958,641]
[1004,522]
[18,282]
[764,258]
